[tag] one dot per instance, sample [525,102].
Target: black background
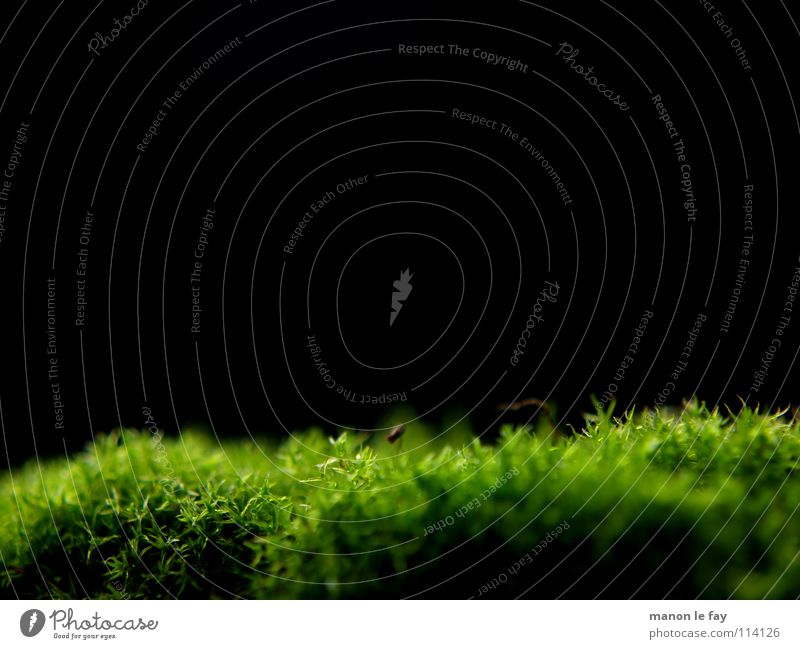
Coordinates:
[312,98]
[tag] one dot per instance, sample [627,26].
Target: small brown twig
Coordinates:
[395,434]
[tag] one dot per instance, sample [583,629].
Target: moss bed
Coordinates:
[694,503]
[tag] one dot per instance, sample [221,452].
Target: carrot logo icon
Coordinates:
[402,291]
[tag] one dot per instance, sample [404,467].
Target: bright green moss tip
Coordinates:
[684,505]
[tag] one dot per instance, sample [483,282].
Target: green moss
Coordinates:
[695,504]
